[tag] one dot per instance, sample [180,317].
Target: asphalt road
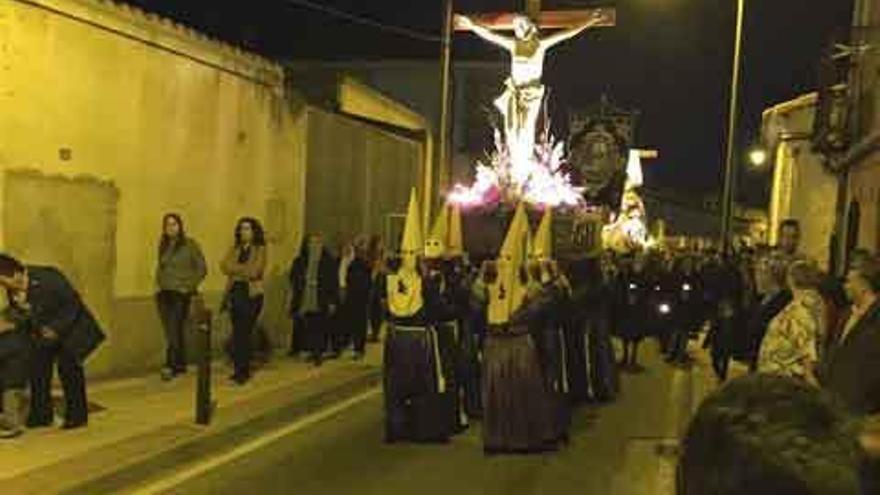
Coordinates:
[614,450]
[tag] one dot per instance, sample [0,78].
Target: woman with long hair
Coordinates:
[244,265]
[180,270]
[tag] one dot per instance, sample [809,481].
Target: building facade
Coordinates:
[827,150]
[112,117]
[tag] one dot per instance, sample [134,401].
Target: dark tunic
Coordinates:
[593,300]
[442,314]
[415,408]
[554,353]
[518,411]
[355,309]
[631,306]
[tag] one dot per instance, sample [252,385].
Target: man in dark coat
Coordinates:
[356,305]
[314,281]
[65,333]
[850,370]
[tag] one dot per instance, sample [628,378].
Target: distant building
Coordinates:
[826,147]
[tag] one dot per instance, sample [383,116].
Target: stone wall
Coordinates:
[111,118]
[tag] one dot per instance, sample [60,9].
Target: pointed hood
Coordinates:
[455,243]
[514,246]
[542,244]
[404,288]
[508,291]
[437,242]
[412,242]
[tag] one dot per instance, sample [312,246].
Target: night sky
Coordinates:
[671,59]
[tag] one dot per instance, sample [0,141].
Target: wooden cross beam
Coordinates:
[648,154]
[546,19]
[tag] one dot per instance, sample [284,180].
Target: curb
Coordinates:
[115,467]
[179,455]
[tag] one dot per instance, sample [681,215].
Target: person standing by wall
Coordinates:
[341,328]
[244,265]
[65,334]
[179,272]
[314,281]
[359,283]
[376,257]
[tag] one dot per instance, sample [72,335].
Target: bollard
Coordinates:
[204,404]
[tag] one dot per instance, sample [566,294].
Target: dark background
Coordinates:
[671,59]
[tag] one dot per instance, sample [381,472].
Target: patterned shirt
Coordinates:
[791,347]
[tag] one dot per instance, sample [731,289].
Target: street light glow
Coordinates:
[758,157]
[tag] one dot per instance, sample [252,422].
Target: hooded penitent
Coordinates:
[507,292]
[455,244]
[437,241]
[542,244]
[404,288]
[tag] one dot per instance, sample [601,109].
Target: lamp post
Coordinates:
[729,164]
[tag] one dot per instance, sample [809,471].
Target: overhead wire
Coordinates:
[366,21]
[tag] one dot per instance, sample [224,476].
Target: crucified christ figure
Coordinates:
[520,103]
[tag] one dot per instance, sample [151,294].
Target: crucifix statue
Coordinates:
[520,103]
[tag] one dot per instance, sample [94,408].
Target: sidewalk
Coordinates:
[672,396]
[144,423]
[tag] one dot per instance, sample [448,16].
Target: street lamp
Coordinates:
[729,164]
[758,156]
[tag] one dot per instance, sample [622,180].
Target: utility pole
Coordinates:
[727,197]
[444,174]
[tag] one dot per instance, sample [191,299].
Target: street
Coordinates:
[613,449]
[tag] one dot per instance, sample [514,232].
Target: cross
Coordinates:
[548,19]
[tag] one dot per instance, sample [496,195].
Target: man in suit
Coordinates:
[850,370]
[65,334]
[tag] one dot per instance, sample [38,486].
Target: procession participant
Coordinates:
[65,333]
[477,325]
[605,373]
[548,327]
[576,313]
[413,381]
[593,294]
[631,310]
[442,314]
[688,312]
[663,307]
[517,411]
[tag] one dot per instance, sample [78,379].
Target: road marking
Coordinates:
[166,484]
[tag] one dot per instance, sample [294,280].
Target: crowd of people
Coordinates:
[517,341]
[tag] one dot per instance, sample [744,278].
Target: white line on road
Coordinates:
[165,484]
